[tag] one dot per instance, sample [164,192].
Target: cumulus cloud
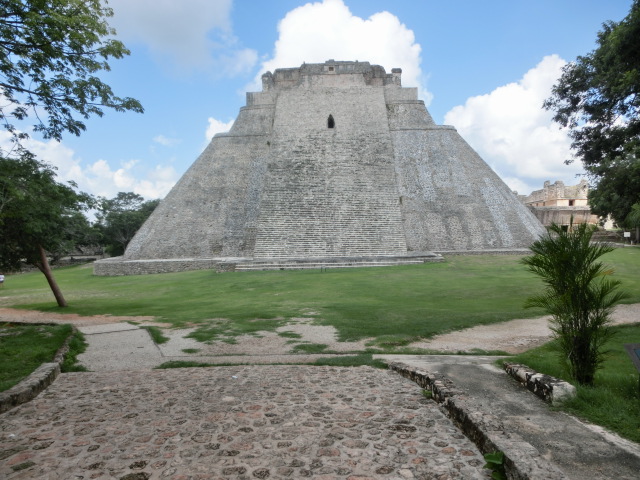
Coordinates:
[100,178]
[514,134]
[158,183]
[216,126]
[316,32]
[192,34]
[166,141]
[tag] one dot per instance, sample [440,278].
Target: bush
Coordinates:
[578,295]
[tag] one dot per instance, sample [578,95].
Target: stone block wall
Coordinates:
[330,160]
[213,209]
[330,191]
[559,194]
[451,199]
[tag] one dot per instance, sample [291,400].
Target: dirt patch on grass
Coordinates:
[32,316]
[300,331]
[514,336]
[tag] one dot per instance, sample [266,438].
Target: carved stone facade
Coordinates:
[558,203]
[331,160]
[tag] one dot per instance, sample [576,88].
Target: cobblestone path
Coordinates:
[244,422]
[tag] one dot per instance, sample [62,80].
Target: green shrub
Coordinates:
[578,295]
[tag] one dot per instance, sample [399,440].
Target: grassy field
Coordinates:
[23,348]
[394,304]
[614,401]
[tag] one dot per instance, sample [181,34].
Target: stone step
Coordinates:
[308,264]
[311,266]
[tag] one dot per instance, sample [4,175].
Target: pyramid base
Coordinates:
[116,266]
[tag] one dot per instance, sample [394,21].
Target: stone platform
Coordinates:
[334,159]
[117,266]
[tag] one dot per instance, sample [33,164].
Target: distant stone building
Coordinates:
[557,203]
[331,164]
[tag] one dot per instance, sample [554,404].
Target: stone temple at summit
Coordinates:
[331,163]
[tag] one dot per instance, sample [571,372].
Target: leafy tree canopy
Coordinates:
[120,218]
[598,99]
[37,215]
[50,53]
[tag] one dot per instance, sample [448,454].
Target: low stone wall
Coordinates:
[501,251]
[40,379]
[548,388]
[564,215]
[115,266]
[522,461]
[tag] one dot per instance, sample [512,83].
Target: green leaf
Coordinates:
[51,53]
[494,458]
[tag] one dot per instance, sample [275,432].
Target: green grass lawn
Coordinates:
[23,348]
[614,401]
[394,304]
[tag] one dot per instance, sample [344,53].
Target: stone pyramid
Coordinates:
[331,163]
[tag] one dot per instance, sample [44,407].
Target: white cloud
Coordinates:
[193,34]
[166,141]
[514,134]
[100,178]
[316,32]
[216,126]
[159,182]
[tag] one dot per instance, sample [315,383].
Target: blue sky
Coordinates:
[483,66]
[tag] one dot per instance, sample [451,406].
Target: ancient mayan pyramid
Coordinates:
[331,162]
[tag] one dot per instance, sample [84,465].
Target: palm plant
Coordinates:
[578,295]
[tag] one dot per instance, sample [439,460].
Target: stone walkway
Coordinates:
[277,422]
[125,421]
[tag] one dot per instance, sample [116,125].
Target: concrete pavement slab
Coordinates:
[107,328]
[127,349]
[578,449]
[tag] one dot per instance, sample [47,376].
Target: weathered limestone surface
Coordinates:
[561,204]
[331,160]
[330,191]
[546,387]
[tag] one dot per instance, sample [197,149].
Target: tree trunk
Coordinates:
[46,270]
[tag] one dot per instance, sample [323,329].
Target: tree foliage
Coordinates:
[578,294]
[120,218]
[37,215]
[598,99]
[50,54]
[633,220]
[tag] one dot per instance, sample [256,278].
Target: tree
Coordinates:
[50,52]
[121,217]
[578,295]
[633,220]
[598,99]
[35,213]
[80,235]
